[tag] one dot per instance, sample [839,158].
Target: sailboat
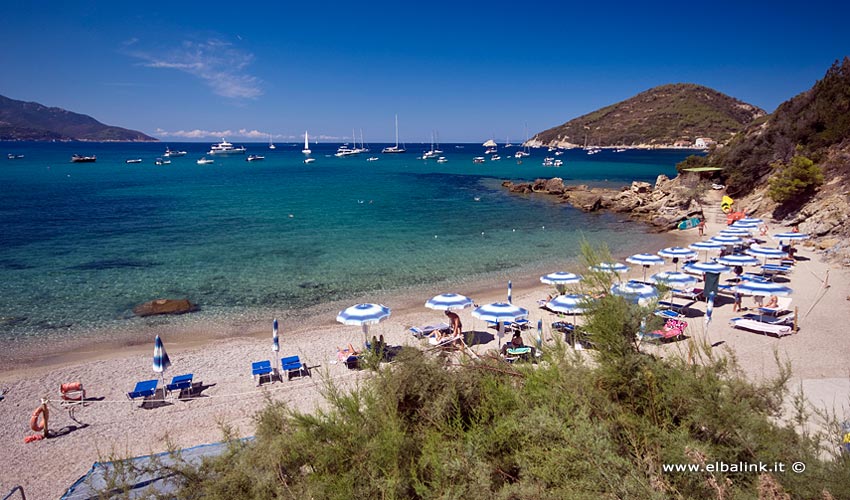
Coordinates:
[306,149]
[394,149]
[271,144]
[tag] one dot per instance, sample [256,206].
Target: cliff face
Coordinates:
[30,121]
[661,116]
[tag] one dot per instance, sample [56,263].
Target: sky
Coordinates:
[466,71]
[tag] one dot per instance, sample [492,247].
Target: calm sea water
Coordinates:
[81,244]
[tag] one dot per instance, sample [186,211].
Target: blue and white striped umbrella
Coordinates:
[275,338]
[610,267]
[500,312]
[160,357]
[706,245]
[645,260]
[638,293]
[750,220]
[766,252]
[728,240]
[763,289]
[510,294]
[709,309]
[364,315]
[674,280]
[734,231]
[747,226]
[738,259]
[568,304]
[448,302]
[539,333]
[560,279]
[790,236]
[677,252]
[706,267]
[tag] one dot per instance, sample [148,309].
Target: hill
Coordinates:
[660,116]
[31,121]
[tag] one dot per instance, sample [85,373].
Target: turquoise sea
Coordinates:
[82,243]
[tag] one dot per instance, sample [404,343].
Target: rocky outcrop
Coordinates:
[164,306]
[662,206]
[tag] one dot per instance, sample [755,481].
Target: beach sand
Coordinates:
[112,426]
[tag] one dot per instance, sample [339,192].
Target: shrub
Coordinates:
[794,180]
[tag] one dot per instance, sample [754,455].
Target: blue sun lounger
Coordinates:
[291,365]
[261,369]
[180,383]
[143,389]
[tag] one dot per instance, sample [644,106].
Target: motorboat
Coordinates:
[548,162]
[490,151]
[83,159]
[160,161]
[255,158]
[133,160]
[309,160]
[495,158]
[396,148]
[442,159]
[478,159]
[372,158]
[14,157]
[521,154]
[205,161]
[173,154]
[593,150]
[619,150]
[226,148]
[557,163]
[344,150]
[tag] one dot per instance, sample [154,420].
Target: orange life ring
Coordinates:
[73,387]
[34,423]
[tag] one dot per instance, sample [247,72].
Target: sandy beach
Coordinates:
[112,426]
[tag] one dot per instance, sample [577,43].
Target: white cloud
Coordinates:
[220,65]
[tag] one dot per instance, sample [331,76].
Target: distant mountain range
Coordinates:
[660,116]
[31,121]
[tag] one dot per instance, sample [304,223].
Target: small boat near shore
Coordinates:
[205,161]
[160,161]
[83,159]
[309,160]
[173,154]
[133,160]
[255,158]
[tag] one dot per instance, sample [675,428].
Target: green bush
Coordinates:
[794,180]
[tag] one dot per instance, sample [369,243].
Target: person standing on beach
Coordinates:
[454,322]
[701,227]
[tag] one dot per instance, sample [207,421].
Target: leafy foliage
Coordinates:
[692,161]
[660,115]
[794,180]
[813,120]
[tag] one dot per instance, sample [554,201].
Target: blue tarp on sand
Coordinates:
[140,484]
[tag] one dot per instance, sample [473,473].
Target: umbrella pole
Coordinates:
[365,328]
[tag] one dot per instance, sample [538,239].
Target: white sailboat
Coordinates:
[271,144]
[396,148]
[306,149]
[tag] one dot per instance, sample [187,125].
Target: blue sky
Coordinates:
[468,70]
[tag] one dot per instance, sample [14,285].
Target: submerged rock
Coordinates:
[164,306]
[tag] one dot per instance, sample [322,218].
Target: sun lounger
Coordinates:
[773,320]
[429,331]
[180,383]
[292,365]
[668,314]
[776,269]
[260,369]
[518,353]
[691,293]
[782,306]
[760,326]
[673,329]
[673,306]
[144,389]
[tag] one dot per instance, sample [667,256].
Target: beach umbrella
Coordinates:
[709,309]
[539,333]
[448,302]
[500,312]
[560,280]
[275,340]
[766,252]
[763,289]
[677,253]
[738,259]
[510,296]
[645,260]
[706,245]
[790,236]
[674,280]
[750,220]
[727,240]
[610,267]
[638,293]
[734,231]
[568,304]
[750,226]
[160,357]
[706,267]
[364,315]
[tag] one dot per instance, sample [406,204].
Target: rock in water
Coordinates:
[164,306]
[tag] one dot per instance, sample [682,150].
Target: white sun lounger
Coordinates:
[782,305]
[761,327]
[428,331]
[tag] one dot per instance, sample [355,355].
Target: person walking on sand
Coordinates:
[454,322]
[701,227]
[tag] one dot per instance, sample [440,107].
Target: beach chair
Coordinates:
[688,293]
[180,383]
[518,353]
[760,326]
[668,314]
[143,389]
[672,306]
[292,365]
[260,369]
[429,331]
[782,307]
[772,320]
[673,329]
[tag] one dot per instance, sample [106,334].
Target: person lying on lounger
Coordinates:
[773,301]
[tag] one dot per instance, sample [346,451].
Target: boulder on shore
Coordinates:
[164,306]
